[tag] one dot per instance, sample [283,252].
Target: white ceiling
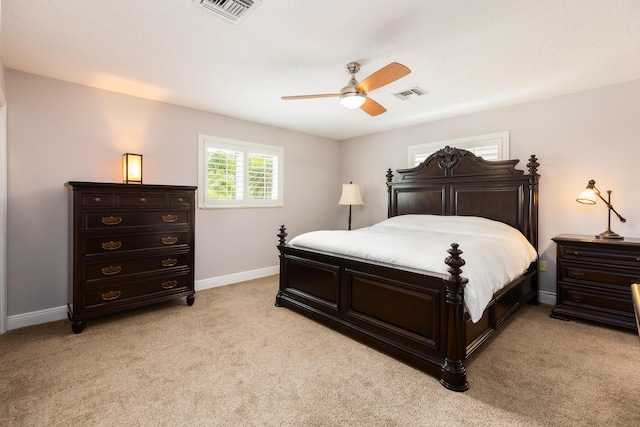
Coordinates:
[469,55]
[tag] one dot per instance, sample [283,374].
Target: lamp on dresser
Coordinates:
[132,168]
[350,196]
[588,197]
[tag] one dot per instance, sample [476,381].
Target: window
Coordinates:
[239,174]
[493,146]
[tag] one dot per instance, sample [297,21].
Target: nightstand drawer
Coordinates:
[599,255]
[617,277]
[596,299]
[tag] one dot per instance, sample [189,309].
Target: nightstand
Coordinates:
[594,278]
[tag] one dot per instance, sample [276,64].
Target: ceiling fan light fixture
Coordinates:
[353,100]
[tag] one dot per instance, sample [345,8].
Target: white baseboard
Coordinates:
[214,282]
[59,313]
[546,297]
[36,317]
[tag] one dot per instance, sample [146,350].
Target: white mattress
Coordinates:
[495,253]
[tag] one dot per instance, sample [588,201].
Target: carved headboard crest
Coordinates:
[448,157]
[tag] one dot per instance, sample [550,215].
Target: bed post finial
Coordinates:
[453,374]
[389,175]
[282,235]
[533,165]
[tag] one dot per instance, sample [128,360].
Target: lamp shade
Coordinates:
[132,168]
[350,195]
[588,196]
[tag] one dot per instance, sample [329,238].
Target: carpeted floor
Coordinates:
[234,359]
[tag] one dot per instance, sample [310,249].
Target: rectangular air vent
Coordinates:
[231,10]
[406,94]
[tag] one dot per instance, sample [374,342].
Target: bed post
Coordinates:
[282,236]
[453,373]
[389,179]
[533,200]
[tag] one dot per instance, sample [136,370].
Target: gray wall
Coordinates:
[59,132]
[588,135]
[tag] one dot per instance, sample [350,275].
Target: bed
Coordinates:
[419,316]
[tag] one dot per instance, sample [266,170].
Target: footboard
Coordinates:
[414,317]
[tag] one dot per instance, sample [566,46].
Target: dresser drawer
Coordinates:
[588,273]
[116,269]
[595,254]
[179,200]
[97,199]
[141,200]
[129,292]
[117,243]
[115,219]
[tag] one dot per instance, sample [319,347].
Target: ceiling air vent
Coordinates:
[231,10]
[406,94]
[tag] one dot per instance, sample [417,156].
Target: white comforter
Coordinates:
[495,253]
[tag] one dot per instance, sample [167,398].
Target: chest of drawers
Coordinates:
[594,278]
[131,245]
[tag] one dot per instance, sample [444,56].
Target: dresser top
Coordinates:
[81,185]
[591,239]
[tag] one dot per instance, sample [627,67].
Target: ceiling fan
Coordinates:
[354,94]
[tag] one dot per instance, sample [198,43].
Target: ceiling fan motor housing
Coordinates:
[350,96]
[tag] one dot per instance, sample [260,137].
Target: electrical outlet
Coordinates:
[542,265]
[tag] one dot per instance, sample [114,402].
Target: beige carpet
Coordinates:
[234,359]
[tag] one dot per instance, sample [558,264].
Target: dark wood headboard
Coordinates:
[453,181]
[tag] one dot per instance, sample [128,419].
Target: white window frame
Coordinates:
[471,143]
[207,141]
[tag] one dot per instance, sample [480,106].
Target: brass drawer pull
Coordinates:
[142,200]
[169,262]
[97,200]
[180,199]
[169,240]
[111,220]
[110,246]
[169,284]
[112,269]
[170,218]
[111,295]
[577,274]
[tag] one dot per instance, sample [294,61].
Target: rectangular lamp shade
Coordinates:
[132,168]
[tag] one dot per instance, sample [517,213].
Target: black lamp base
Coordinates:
[608,234]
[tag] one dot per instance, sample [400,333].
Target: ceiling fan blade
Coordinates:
[372,108]
[383,76]
[322,95]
